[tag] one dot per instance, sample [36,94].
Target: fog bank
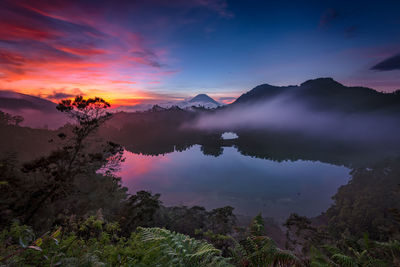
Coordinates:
[289,114]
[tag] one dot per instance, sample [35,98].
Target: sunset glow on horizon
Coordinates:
[54,50]
[132,52]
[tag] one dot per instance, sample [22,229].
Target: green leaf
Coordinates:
[38,242]
[56,233]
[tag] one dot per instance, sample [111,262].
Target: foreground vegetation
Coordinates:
[95,242]
[69,209]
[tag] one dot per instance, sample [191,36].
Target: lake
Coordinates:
[250,185]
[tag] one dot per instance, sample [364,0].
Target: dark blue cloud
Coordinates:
[391,63]
[328,16]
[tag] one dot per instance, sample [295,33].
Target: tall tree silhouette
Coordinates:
[77,156]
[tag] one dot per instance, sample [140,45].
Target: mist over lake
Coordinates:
[200,133]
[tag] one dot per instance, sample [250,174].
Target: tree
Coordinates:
[5,118]
[364,205]
[301,234]
[139,210]
[78,157]
[8,119]
[257,249]
[18,120]
[222,220]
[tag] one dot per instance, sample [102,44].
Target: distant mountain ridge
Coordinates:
[38,112]
[203,98]
[319,94]
[17,101]
[200,100]
[325,93]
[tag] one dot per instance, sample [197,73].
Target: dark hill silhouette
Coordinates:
[325,93]
[155,133]
[17,101]
[38,112]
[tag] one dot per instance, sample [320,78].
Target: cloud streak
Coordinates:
[63,94]
[327,17]
[391,63]
[46,46]
[226,99]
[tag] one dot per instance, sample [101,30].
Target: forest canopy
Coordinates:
[69,207]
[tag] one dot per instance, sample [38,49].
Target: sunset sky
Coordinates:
[130,52]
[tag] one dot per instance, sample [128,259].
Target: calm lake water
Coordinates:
[250,185]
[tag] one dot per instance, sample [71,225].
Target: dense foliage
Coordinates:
[67,208]
[96,243]
[368,204]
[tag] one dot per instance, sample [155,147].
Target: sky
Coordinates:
[132,52]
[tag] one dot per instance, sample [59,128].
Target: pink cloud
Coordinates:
[45,46]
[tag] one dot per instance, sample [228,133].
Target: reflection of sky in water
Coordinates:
[248,184]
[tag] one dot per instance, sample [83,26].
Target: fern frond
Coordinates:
[175,249]
[344,260]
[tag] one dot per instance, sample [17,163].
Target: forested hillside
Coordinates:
[66,207]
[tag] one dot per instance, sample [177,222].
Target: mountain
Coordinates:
[324,94]
[204,99]
[37,112]
[200,100]
[16,101]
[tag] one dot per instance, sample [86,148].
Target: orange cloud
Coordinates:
[226,100]
[46,46]
[82,51]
